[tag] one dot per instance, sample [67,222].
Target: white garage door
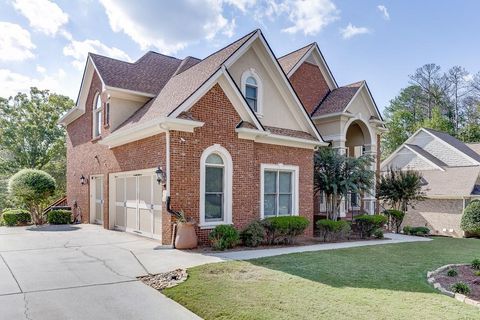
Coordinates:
[138,203]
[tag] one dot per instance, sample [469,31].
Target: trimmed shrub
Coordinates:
[59,217]
[253,234]
[367,224]
[416,231]
[32,189]
[284,229]
[395,218]
[461,287]
[477,273]
[333,230]
[476,264]
[13,217]
[223,237]
[452,273]
[378,233]
[471,219]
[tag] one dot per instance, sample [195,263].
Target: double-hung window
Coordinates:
[214,188]
[279,188]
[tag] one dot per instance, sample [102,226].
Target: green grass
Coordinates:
[376,282]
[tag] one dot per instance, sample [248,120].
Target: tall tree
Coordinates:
[432,84]
[458,88]
[29,134]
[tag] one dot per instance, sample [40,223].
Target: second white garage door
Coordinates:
[138,203]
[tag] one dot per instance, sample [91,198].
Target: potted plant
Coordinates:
[186,237]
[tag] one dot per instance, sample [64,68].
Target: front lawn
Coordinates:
[376,282]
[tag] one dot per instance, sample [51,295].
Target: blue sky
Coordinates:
[44,43]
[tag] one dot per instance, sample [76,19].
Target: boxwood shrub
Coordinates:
[253,234]
[470,223]
[59,217]
[367,224]
[284,229]
[223,237]
[333,230]
[14,217]
[416,231]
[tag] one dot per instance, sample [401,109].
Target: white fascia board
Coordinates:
[72,115]
[424,158]
[116,90]
[149,129]
[269,138]
[336,114]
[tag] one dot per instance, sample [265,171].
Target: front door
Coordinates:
[138,200]
[96,200]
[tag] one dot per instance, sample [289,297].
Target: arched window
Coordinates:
[252,90]
[97,116]
[215,186]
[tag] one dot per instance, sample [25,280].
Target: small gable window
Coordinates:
[251,93]
[97,116]
[252,90]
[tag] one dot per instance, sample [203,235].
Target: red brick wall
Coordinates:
[87,157]
[220,120]
[310,85]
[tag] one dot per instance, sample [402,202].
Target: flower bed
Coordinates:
[445,280]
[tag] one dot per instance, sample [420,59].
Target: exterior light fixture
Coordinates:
[83,180]
[160,175]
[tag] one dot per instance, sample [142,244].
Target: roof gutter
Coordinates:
[149,129]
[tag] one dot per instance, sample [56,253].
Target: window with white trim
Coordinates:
[215,186]
[252,90]
[279,191]
[251,93]
[97,116]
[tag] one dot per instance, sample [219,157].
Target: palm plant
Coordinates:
[337,175]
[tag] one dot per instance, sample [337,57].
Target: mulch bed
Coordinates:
[165,280]
[465,274]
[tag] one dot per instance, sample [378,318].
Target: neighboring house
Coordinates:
[346,116]
[227,138]
[450,170]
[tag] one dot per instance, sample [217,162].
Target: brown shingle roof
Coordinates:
[186,64]
[149,74]
[337,100]
[427,155]
[454,181]
[288,61]
[183,85]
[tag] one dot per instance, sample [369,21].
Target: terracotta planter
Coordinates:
[186,237]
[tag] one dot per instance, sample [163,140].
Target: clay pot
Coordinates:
[186,237]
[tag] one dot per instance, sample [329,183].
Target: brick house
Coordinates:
[451,173]
[228,139]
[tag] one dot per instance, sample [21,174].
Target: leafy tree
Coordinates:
[438,122]
[470,133]
[338,175]
[30,136]
[399,189]
[31,189]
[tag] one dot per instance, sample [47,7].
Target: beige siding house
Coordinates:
[450,170]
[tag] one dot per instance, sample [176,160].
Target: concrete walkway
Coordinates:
[87,272]
[254,254]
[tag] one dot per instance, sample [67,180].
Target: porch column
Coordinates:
[339,145]
[369,200]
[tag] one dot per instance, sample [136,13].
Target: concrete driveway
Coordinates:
[85,272]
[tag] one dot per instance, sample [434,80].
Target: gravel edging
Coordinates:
[165,280]
[460,297]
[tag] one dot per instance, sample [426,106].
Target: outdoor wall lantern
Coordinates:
[160,175]
[83,180]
